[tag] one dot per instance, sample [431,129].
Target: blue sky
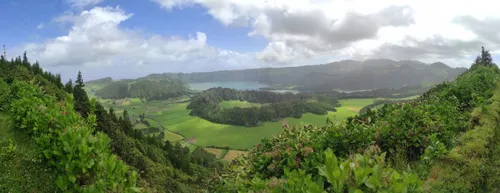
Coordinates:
[177,22]
[132,38]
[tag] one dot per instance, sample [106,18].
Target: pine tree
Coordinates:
[37,69]
[25,61]
[82,103]
[59,81]
[484,59]
[68,87]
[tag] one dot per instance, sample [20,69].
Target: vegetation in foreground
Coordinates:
[440,142]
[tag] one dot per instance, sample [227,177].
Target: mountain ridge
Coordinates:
[344,74]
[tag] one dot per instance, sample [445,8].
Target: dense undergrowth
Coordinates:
[82,160]
[445,138]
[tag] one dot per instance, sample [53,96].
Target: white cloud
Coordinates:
[40,26]
[83,3]
[96,41]
[360,28]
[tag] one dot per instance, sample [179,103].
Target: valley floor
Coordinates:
[175,119]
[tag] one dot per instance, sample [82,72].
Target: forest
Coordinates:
[278,106]
[143,88]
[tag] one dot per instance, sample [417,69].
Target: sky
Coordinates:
[133,38]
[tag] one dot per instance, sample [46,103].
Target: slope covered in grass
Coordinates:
[21,167]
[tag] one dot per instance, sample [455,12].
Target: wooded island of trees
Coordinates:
[276,106]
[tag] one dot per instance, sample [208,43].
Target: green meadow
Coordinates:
[174,117]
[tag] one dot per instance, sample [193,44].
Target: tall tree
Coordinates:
[25,61]
[68,87]
[59,81]
[483,59]
[486,57]
[82,103]
[36,68]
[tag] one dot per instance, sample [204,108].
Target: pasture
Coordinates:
[174,117]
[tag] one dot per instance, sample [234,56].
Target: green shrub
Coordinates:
[68,143]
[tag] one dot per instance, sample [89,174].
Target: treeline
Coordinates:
[144,89]
[89,145]
[443,141]
[277,106]
[21,69]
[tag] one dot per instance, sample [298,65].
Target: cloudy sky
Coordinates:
[132,38]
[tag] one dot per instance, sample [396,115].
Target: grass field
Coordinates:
[174,116]
[237,103]
[140,126]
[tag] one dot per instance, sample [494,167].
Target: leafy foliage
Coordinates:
[67,142]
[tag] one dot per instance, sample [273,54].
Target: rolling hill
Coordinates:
[149,89]
[346,75]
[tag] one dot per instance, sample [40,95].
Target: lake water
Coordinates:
[285,91]
[233,85]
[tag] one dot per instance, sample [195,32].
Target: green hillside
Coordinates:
[54,139]
[444,141]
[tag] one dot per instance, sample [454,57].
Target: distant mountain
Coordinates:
[345,75]
[102,81]
[146,88]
